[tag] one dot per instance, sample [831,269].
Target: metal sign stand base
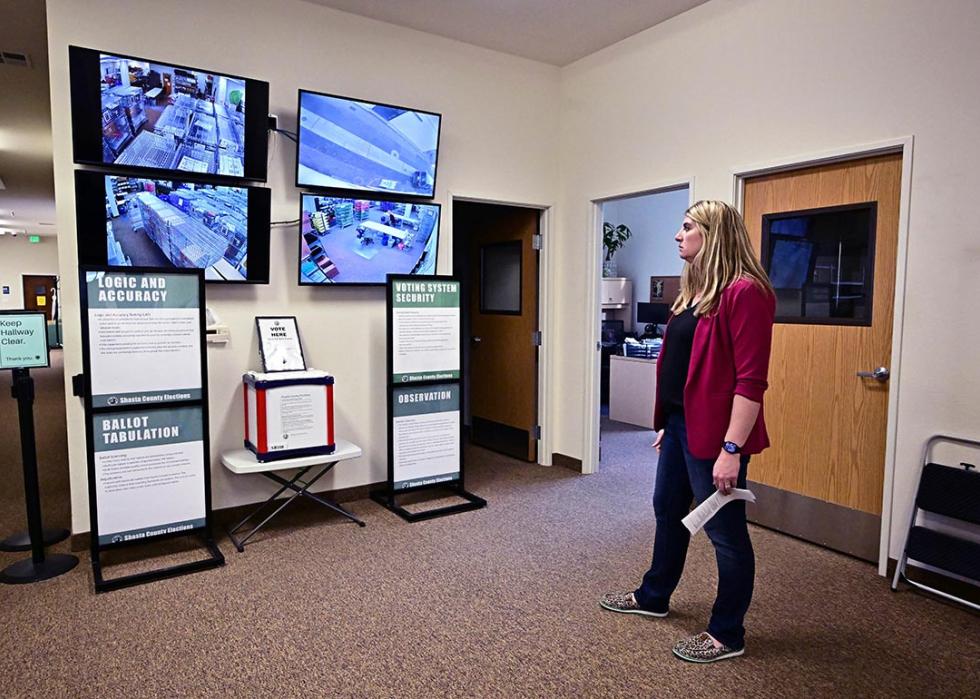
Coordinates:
[386,499]
[21,541]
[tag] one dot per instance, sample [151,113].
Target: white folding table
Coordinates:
[242,461]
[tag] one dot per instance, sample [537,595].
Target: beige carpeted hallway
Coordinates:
[497,603]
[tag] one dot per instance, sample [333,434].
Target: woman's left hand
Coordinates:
[725,473]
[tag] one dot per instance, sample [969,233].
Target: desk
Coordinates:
[154,93]
[243,461]
[382,228]
[632,390]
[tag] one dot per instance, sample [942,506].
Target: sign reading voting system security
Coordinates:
[23,340]
[425,320]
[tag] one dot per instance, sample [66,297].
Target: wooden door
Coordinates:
[39,293]
[501,281]
[823,477]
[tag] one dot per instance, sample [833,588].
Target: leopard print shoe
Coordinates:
[702,649]
[625,603]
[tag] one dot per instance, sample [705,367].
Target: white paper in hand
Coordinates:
[709,508]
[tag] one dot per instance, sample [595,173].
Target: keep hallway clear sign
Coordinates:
[23,340]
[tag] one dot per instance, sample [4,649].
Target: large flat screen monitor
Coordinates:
[359,146]
[138,113]
[361,241]
[127,221]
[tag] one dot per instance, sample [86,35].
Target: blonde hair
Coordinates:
[726,255]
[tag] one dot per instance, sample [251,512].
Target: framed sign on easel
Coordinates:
[145,389]
[425,394]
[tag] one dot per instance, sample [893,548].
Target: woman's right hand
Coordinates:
[658,440]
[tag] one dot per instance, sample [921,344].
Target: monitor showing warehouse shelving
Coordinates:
[360,146]
[135,221]
[361,241]
[138,113]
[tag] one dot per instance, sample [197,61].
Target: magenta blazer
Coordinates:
[730,356]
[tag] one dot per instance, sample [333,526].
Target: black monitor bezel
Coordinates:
[90,222]
[299,238]
[355,191]
[86,101]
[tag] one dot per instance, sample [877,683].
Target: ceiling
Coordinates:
[551,31]
[25,122]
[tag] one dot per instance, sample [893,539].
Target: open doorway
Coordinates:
[496,255]
[640,279]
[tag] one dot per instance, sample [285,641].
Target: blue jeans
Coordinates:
[681,476]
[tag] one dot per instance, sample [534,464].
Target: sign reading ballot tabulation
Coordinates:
[425,434]
[149,472]
[23,340]
[144,337]
[425,322]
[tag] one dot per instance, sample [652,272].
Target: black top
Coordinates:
[675,357]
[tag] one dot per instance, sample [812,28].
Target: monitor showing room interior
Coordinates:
[138,113]
[361,241]
[131,221]
[361,146]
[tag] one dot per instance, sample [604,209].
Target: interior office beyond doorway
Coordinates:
[639,279]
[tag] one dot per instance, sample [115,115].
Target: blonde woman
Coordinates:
[711,377]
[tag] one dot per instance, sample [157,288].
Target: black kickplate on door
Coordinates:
[495,436]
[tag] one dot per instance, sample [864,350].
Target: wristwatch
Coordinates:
[731,448]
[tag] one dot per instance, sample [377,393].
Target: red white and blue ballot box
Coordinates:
[288,414]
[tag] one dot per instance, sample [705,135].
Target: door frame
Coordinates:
[546,316]
[593,311]
[901,145]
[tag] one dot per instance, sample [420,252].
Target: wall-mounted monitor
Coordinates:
[361,241]
[136,113]
[135,221]
[359,146]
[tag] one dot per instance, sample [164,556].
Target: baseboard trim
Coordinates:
[568,462]
[853,532]
[226,515]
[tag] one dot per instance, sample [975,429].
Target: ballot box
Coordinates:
[288,413]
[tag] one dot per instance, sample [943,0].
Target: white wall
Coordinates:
[499,141]
[730,84]
[651,251]
[19,256]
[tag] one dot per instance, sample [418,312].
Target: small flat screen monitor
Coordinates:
[359,146]
[361,241]
[612,331]
[133,221]
[136,113]
[655,313]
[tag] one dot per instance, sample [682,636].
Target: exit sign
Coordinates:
[35,239]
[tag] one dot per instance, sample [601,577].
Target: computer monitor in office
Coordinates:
[656,313]
[612,331]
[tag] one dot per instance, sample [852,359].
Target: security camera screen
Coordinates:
[162,223]
[158,116]
[345,144]
[359,241]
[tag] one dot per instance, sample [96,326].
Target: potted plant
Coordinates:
[613,238]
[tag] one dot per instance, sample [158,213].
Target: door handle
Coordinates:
[476,339]
[879,374]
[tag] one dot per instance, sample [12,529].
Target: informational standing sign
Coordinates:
[145,372]
[279,344]
[23,340]
[425,393]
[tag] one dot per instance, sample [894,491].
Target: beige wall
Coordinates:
[499,141]
[18,256]
[730,84]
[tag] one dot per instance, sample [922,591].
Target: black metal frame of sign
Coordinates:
[386,496]
[214,556]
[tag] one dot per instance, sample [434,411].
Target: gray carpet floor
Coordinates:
[501,602]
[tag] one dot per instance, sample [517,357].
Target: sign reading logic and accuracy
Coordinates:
[279,344]
[425,320]
[23,340]
[144,338]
